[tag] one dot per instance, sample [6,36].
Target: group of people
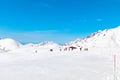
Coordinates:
[74,48]
[71,48]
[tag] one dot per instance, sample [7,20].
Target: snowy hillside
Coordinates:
[105,38]
[38,48]
[9,44]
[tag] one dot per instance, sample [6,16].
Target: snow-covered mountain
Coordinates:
[105,38]
[40,47]
[49,44]
[9,44]
[46,44]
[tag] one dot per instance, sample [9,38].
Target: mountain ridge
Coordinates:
[101,38]
[105,38]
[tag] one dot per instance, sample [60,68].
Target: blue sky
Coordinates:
[56,20]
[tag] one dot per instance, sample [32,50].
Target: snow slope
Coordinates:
[106,38]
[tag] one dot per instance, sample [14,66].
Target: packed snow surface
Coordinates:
[69,65]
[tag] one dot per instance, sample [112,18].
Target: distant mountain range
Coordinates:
[105,38]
